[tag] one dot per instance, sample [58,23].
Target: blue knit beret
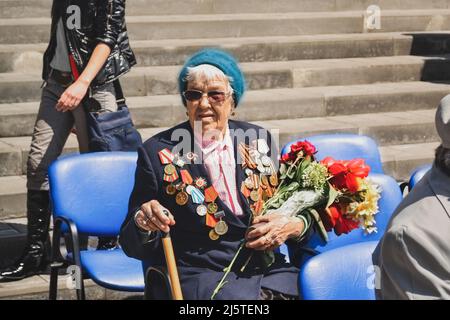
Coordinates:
[220,59]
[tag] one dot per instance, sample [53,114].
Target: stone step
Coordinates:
[263,75]
[26,58]
[386,128]
[167,110]
[36,30]
[398,162]
[269,75]
[41,8]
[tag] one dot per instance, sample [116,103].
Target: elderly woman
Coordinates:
[206,198]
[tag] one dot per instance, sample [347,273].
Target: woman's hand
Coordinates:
[72,96]
[273,230]
[151,217]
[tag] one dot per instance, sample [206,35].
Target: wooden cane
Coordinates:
[171,265]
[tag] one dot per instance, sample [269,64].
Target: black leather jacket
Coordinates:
[86,23]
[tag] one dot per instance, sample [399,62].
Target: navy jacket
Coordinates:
[200,260]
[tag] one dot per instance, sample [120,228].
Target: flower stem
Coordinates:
[227,271]
[299,156]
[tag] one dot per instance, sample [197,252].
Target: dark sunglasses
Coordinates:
[214,96]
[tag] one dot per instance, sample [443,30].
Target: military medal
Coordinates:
[210,196]
[169,169]
[255,180]
[249,183]
[221,226]
[181,198]
[211,221]
[186,177]
[258,207]
[170,177]
[269,191]
[166,156]
[200,182]
[171,190]
[266,161]
[213,235]
[264,182]
[197,195]
[189,189]
[202,210]
[254,195]
[260,166]
[212,208]
[244,190]
[262,146]
[191,156]
[273,179]
[180,186]
[179,162]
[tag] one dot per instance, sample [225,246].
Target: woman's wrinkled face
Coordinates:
[209,113]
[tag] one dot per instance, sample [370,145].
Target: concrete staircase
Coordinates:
[313,62]
[312,67]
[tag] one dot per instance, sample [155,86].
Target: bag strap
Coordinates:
[120,98]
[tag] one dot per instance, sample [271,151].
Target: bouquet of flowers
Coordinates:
[338,191]
[336,194]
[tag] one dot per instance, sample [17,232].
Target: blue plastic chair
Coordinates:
[345,273]
[344,147]
[418,174]
[90,194]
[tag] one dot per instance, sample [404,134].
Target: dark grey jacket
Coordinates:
[414,253]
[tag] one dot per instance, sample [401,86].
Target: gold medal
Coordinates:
[169,169]
[273,180]
[212,208]
[254,195]
[213,235]
[221,228]
[171,190]
[181,198]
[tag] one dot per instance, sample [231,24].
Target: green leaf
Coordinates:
[268,258]
[332,195]
[320,227]
[283,169]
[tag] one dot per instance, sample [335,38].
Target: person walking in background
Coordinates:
[88,50]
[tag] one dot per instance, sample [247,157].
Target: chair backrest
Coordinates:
[93,190]
[418,174]
[391,197]
[345,273]
[345,147]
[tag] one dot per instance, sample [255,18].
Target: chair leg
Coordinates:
[81,295]
[54,271]
[157,277]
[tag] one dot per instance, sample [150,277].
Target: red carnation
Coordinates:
[345,173]
[339,221]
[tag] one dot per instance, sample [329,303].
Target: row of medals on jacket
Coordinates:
[259,185]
